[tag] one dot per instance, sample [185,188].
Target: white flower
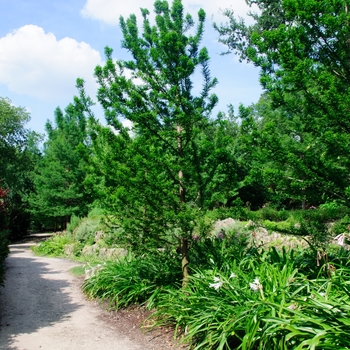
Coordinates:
[92,271]
[233,275]
[217,283]
[340,239]
[256,285]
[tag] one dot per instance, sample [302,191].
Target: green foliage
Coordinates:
[259,302]
[272,214]
[284,226]
[228,245]
[135,280]
[341,225]
[302,52]
[96,212]
[59,177]
[316,225]
[4,251]
[86,230]
[18,154]
[73,223]
[178,163]
[54,246]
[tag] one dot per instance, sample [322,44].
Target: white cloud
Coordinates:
[36,64]
[109,11]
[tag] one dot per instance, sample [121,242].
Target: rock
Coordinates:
[69,249]
[99,235]
[224,224]
[116,253]
[90,250]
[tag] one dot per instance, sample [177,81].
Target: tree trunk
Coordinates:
[184,240]
[185,260]
[180,154]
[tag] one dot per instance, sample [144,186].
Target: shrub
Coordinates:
[269,213]
[73,224]
[341,225]
[54,246]
[96,212]
[85,232]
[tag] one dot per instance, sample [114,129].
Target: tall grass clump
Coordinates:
[135,280]
[225,246]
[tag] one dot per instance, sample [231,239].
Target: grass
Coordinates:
[273,299]
[78,271]
[134,280]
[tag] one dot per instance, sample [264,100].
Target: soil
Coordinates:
[42,307]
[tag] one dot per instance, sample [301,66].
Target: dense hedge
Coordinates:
[4,250]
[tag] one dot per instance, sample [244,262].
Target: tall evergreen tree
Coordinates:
[158,99]
[59,178]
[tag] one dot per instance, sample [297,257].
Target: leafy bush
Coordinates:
[73,224]
[96,212]
[270,213]
[281,226]
[85,232]
[341,225]
[323,214]
[54,246]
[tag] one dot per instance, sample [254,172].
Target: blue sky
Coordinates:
[46,44]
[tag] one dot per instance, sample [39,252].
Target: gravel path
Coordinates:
[42,307]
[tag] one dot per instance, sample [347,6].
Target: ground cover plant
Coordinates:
[54,246]
[260,302]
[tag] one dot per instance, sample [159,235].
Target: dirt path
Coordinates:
[42,307]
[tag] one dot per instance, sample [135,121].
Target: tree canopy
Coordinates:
[18,154]
[302,48]
[60,174]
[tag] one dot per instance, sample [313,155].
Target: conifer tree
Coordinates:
[59,177]
[154,90]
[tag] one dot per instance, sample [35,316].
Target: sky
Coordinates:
[45,45]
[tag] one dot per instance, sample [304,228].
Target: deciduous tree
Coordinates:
[302,48]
